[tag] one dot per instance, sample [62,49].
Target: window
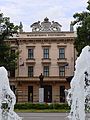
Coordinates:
[47,93]
[30,93]
[62,93]
[61,70]
[46,53]
[30,53]
[12,70]
[30,71]
[61,53]
[46,71]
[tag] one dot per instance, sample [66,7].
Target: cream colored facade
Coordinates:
[50,53]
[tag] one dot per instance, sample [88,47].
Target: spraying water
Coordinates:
[7,98]
[78,96]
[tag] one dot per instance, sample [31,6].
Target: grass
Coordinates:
[42,111]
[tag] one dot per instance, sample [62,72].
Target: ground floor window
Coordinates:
[47,93]
[30,93]
[62,93]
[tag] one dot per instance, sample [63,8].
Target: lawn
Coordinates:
[43,111]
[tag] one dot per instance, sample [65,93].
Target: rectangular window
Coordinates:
[30,93]
[12,70]
[46,53]
[61,70]
[61,53]
[30,71]
[30,53]
[47,93]
[46,71]
[62,93]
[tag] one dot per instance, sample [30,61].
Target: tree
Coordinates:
[8,58]
[83,29]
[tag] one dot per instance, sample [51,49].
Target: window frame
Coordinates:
[30,53]
[46,53]
[62,71]
[46,70]
[61,53]
[30,72]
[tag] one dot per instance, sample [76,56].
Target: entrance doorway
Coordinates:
[30,93]
[47,93]
[62,93]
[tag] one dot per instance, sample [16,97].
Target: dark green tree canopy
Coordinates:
[8,59]
[83,29]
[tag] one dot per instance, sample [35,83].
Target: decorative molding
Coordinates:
[46,45]
[46,26]
[30,46]
[62,45]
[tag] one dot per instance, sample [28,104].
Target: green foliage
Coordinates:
[83,30]
[7,28]
[8,59]
[38,106]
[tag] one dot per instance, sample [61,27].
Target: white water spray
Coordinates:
[78,96]
[7,98]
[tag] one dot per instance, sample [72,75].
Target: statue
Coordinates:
[71,27]
[21,27]
[41,77]
[56,26]
[36,26]
[7,98]
[78,96]
[46,26]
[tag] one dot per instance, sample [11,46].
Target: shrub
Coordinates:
[38,106]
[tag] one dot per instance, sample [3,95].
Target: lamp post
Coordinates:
[41,89]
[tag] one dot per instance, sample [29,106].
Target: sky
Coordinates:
[30,11]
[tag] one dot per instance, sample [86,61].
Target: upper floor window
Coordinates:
[12,71]
[46,70]
[30,71]
[46,53]
[30,53]
[62,71]
[61,53]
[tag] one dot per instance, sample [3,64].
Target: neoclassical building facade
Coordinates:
[46,50]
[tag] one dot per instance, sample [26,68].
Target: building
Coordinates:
[46,50]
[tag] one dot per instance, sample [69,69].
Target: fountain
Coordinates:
[78,96]
[7,98]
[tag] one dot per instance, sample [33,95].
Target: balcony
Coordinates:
[30,61]
[46,61]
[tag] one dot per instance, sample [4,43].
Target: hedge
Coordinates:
[23,106]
